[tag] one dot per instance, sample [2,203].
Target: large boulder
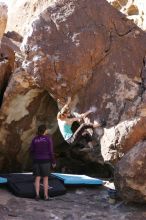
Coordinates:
[130,174]
[118,140]
[71,57]
[101,56]
[24,107]
[84,49]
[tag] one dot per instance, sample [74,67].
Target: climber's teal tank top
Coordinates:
[65,129]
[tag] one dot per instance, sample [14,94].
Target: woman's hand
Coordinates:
[83,115]
[69,99]
[93,109]
[54,165]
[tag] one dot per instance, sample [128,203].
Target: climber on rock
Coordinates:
[65,122]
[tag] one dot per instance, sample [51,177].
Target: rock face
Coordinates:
[3,19]
[130,174]
[21,122]
[88,57]
[25,12]
[118,140]
[7,60]
[102,57]
[84,49]
[133,9]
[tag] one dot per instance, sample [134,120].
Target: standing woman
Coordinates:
[41,150]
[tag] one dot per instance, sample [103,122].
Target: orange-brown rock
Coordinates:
[3,18]
[7,60]
[87,60]
[102,58]
[85,49]
[24,107]
[134,10]
[118,140]
[130,174]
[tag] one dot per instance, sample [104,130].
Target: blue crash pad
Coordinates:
[3,180]
[78,179]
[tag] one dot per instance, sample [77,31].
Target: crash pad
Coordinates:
[3,180]
[74,179]
[22,185]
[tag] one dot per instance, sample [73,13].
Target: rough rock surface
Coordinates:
[3,19]
[70,61]
[33,105]
[95,54]
[118,140]
[77,204]
[81,49]
[25,12]
[130,174]
[133,9]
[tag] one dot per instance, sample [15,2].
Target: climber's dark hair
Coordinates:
[41,129]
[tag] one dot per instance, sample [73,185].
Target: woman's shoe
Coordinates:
[48,199]
[37,198]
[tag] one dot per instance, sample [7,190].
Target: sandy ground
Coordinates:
[80,203]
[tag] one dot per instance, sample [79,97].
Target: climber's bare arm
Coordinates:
[66,106]
[71,120]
